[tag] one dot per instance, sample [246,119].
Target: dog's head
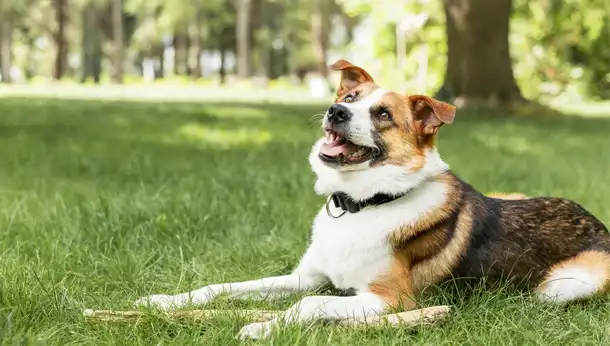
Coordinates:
[376,138]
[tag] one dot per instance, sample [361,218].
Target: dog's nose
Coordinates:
[338,114]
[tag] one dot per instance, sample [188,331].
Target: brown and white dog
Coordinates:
[398,220]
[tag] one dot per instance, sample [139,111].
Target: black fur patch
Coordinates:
[522,239]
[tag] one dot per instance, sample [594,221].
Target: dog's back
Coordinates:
[529,240]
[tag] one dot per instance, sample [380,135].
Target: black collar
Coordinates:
[347,204]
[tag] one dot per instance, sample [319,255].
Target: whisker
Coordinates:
[317,115]
[316,119]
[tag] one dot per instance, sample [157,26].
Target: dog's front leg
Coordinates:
[320,307]
[294,282]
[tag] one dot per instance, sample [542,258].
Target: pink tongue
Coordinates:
[334,149]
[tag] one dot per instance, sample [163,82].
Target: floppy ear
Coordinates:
[430,113]
[351,76]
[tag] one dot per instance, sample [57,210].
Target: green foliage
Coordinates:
[562,47]
[559,48]
[423,24]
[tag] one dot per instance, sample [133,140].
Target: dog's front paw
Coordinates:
[162,302]
[256,331]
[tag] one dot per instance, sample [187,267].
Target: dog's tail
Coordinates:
[579,277]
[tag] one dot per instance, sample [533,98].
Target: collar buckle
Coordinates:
[335,200]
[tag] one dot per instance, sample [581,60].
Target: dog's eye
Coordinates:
[349,98]
[385,115]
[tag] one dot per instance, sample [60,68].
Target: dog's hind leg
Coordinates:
[576,278]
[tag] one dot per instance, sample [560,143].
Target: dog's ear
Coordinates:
[351,76]
[430,114]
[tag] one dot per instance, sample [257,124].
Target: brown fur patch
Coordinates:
[427,251]
[413,245]
[504,195]
[394,287]
[412,130]
[444,261]
[351,77]
[433,217]
[402,144]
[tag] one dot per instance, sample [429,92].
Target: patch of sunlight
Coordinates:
[587,109]
[513,144]
[239,113]
[120,122]
[223,137]
[73,148]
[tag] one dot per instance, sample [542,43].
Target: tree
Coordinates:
[59,36]
[220,25]
[478,59]
[320,22]
[6,32]
[181,45]
[195,47]
[242,30]
[91,43]
[117,32]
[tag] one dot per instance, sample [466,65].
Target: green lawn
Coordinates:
[104,202]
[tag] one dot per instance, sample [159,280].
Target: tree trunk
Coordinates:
[223,68]
[91,44]
[61,44]
[479,66]
[195,47]
[320,22]
[117,33]
[181,54]
[30,61]
[161,56]
[244,11]
[264,34]
[6,31]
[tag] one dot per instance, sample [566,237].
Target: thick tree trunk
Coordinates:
[117,33]
[320,22]
[244,11]
[6,33]
[479,66]
[61,43]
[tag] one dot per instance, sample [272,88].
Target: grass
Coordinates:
[104,202]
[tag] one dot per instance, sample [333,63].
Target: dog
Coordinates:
[397,220]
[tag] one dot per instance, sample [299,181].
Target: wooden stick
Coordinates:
[191,315]
[408,318]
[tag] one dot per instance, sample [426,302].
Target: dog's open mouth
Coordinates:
[338,150]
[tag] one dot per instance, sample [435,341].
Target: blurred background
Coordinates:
[459,50]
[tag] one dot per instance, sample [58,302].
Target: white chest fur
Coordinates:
[353,250]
